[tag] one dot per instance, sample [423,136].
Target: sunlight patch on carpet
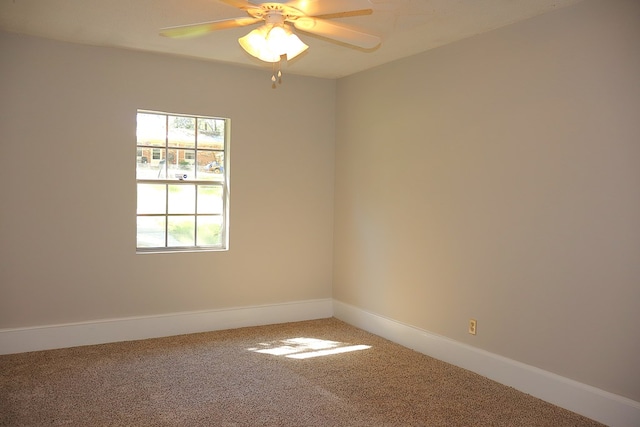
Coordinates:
[305,348]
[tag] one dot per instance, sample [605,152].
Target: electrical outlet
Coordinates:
[473,326]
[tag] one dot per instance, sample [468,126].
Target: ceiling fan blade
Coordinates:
[337,32]
[194,30]
[326,7]
[345,14]
[240,4]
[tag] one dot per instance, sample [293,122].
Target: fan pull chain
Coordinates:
[274,74]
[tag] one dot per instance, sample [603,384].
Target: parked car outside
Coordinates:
[214,167]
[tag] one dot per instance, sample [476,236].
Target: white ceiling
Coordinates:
[406,27]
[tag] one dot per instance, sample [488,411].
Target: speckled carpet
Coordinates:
[314,373]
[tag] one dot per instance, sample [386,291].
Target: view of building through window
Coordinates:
[181,174]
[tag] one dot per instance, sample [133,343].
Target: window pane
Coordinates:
[209,231]
[182,132]
[211,134]
[181,231]
[151,163]
[182,199]
[210,199]
[180,164]
[211,165]
[150,232]
[152,198]
[151,129]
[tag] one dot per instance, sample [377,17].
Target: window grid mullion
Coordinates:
[166,215]
[166,186]
[195,208]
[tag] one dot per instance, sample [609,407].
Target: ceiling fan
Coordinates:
[274,40]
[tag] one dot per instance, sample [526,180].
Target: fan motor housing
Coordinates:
[275,12]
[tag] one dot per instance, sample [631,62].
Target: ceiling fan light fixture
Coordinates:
[294,46]
[269,42]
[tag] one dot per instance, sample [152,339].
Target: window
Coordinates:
[181,177]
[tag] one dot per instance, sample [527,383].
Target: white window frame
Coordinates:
[190,181]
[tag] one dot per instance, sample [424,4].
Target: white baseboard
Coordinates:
[135,328]
[599,405]
[602,406]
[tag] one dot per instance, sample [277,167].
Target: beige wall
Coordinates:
[67,229]
[498,178]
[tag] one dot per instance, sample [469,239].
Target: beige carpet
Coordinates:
[315,373]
